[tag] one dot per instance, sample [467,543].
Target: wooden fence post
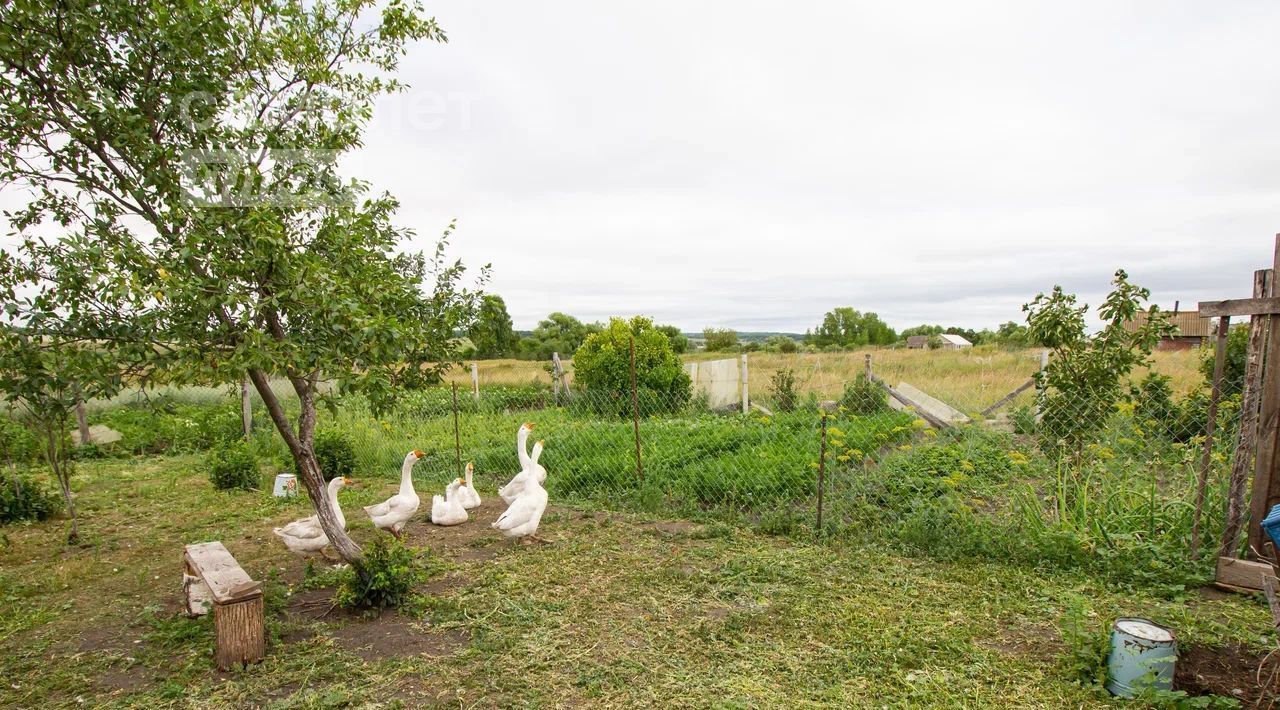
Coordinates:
[1224,324]
[1266,484]
[475,381]
[555,375]
[1242,463]
[246,409]
[746,399]
[561,383]
[867,367]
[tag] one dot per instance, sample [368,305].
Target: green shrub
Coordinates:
[602,365]
[17,443]
[384,579]
[22,498]
[1088,646]
[862,396]
[233,466]
[1234,363]
[1024,420]
[438,401]
[334,454]
[1153,405]
[783,386]
[164,426]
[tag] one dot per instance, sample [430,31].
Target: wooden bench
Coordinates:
[214,578]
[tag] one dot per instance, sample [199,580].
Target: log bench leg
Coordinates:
[241,635]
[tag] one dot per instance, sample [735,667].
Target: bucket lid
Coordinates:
[1144,629]
[285,475]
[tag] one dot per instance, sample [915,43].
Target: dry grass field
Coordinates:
[967,379]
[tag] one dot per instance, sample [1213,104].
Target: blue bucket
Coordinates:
[1271,525]
[1142,653]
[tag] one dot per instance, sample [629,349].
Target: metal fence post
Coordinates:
[1202,482]
[635,409]
[457,439]
[822,464]
[746,399]
[475,381]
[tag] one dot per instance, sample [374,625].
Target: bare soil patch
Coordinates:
[671,528]
[124,680]
[394,635]
[1040,642]
[1228,670]
[102,638]
[310,605]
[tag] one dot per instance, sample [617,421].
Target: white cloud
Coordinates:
[754,164]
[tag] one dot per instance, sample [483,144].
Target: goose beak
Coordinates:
[528,425]
[417,454]
[541,442]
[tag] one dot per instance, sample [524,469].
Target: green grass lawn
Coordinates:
[618,610]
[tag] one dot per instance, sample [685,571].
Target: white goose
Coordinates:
[522,518]
[507,492]
[447,509]
[467,493]
[392,514]
[532,471]
[305,537]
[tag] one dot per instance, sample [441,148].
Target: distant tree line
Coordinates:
[1008,335]
[492,335]
[845,328]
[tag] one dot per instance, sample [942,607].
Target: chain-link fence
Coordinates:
[941,457]
[1107,469]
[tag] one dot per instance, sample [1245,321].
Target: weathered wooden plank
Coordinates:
[227,581]
[1009,397]
[1270,587]
[1266,482]
[1244,574]
[1242,463]
[241,633]
[1240,307]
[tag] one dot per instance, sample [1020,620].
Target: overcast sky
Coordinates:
[753,165]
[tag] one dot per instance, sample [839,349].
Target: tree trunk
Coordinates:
[64,477]
[300,447]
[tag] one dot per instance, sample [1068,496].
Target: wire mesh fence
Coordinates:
[1123,463]
[1086,472]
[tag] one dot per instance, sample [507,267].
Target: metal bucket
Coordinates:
[1142,654]
[286,485]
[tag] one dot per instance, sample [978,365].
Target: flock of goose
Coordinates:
[524,494]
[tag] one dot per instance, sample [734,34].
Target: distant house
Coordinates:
[1191,331]
[917,342]
[951,341]
[946,341]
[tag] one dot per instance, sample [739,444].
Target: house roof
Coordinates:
[1189,324]
[954,339]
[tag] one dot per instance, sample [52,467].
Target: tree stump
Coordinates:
[237,603]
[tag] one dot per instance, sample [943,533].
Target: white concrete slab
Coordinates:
[932,405]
